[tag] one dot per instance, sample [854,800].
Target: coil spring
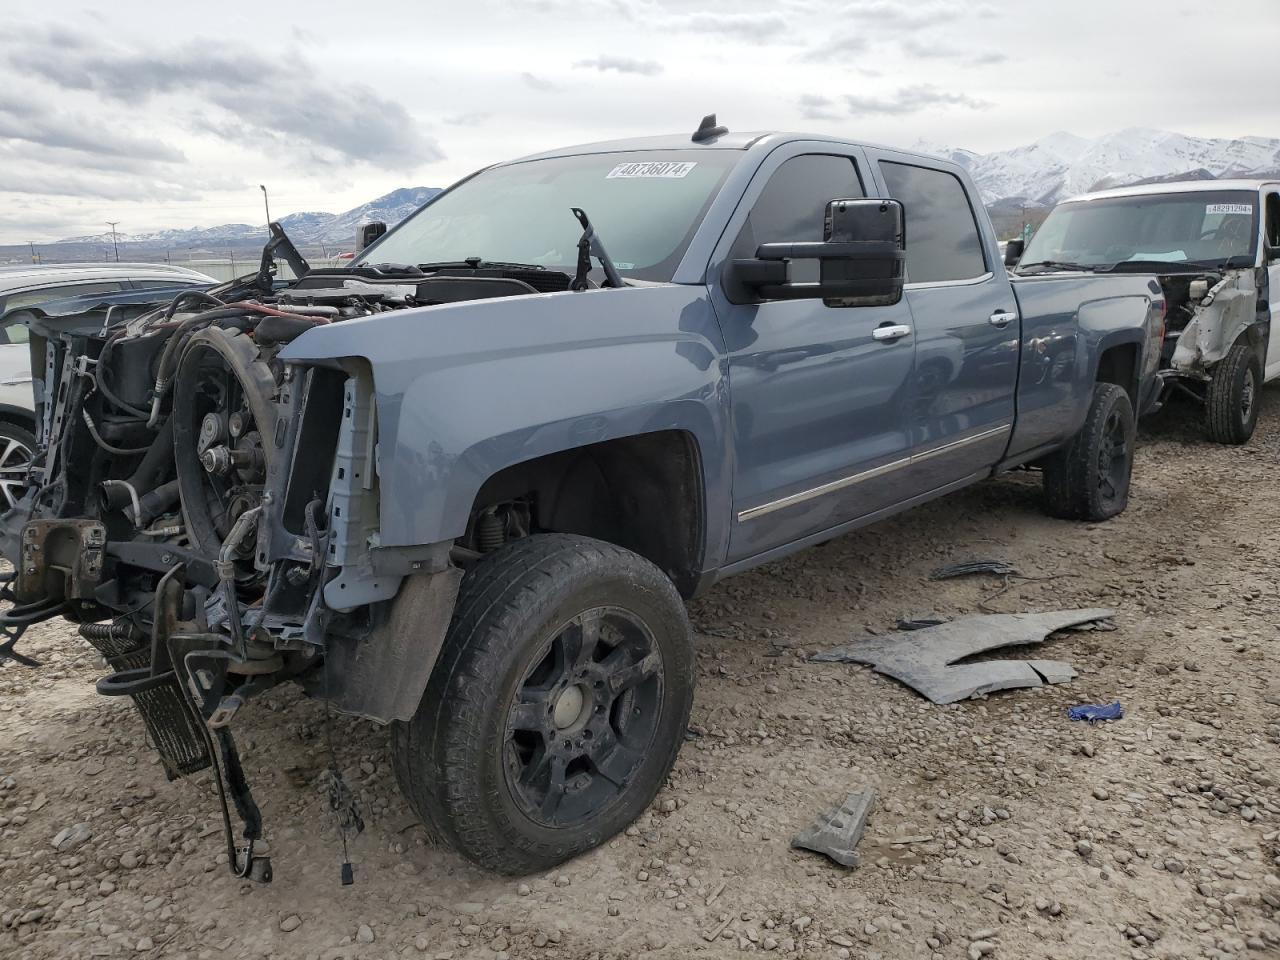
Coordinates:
[491,532]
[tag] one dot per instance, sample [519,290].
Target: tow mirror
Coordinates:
[860,261]
[1013,252]
[366,233]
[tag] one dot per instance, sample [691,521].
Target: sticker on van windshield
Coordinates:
[1229,208]
[656,169]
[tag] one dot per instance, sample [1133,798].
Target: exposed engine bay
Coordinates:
[1207,314]
[206,511]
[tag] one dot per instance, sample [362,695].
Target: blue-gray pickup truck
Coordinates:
[463,486]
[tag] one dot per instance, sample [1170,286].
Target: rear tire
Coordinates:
[557,707]
[1231,405]
[1088,479]
[17,447]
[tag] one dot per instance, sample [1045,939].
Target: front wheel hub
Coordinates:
[583,717]
[571,708]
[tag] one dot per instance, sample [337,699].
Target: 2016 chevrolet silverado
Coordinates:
[462,486]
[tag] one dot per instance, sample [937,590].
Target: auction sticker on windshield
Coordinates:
[661,169]
[1211,208]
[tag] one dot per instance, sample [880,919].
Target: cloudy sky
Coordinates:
[170,115]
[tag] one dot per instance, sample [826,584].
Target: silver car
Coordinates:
[23,289]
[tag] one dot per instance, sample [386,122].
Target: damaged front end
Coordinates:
[208,513]
[1208,315]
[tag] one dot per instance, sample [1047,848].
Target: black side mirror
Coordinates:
[366,233]
[860,262]
[1013,252]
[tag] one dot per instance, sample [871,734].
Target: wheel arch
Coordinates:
[646,493]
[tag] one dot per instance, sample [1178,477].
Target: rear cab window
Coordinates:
[943,241]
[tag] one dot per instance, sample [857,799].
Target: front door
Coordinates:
[1271,220]
[819,415]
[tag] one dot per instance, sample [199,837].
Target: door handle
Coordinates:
[1002,318]
[891,332]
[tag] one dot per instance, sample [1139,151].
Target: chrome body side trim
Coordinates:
[845,482]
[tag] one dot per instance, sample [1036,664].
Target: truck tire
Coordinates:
[1231,404]
[17,447]
[1088,479]
[557,707]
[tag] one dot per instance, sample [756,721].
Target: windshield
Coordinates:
[1202,228]
[644,207]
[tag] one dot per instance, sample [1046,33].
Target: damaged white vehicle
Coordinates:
[1215,247]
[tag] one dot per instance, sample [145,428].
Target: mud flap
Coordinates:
[382,675]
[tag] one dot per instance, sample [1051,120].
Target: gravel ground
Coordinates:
[1002,829]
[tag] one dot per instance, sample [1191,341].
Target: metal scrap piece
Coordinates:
[836,833]
[969,567]
[926,660]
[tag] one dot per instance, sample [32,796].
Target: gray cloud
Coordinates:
[29,120]
[838,48]
[538,83]
[606,62]
[885,17]
[761,28]
[340,121]
[910,100]
[816,107]
[939,50]
[33,180]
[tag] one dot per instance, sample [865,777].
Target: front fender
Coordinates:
[465,390]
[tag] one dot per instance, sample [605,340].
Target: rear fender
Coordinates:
[1068,323]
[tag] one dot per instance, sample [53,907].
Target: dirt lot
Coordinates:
[1029,836]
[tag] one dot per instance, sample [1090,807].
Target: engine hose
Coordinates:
[277,329]
[173,349]
[97,438]
[158,458]
[186,295]
[104,444]
[130,490]
[158,501]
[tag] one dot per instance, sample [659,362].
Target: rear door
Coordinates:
[820,430]
[966,326]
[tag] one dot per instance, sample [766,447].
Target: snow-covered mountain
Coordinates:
[311,228]
[1063,164]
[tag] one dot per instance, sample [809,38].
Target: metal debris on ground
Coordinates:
[926,659]
[836,833]
[1096,712]
[919,623]
[969,567]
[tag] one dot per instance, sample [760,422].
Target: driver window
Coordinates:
[793,204]
[1273,219]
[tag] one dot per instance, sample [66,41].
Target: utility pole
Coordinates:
[35,257]
[114,249]
[265,203]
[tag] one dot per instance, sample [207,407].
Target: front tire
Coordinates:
[557,707]
[1231,404]
[1088,479]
